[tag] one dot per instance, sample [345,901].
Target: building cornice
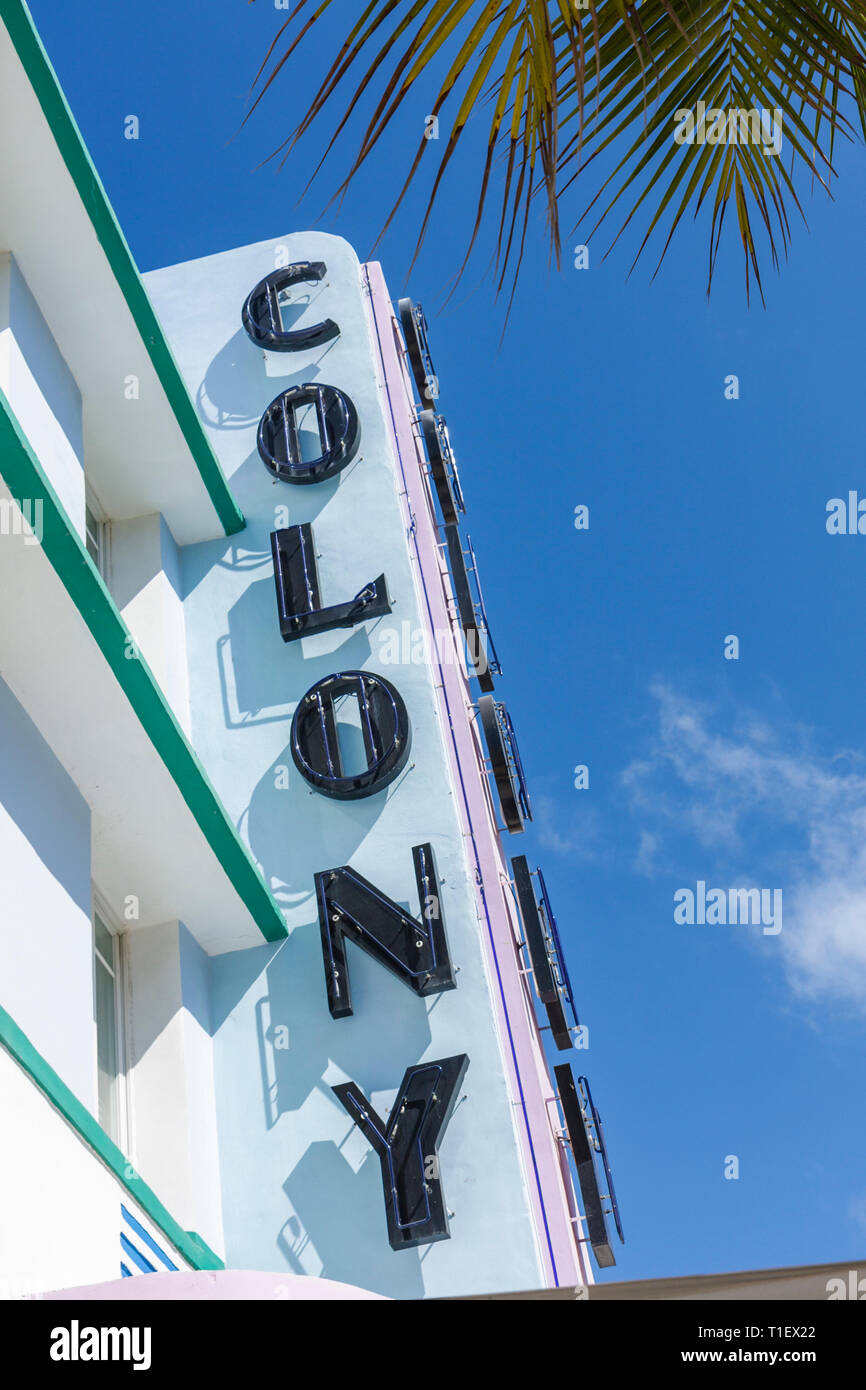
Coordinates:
[73,566]
[70,144]
[194,1250]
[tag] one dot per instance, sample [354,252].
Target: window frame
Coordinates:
[117,969]
[94,508]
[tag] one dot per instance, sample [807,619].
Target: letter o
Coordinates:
[385,729]
[279,443]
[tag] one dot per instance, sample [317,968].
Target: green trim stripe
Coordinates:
[191,1246]
[70,143]
[24,477]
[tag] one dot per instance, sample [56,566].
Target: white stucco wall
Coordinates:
[41,390]
[61,1216]
[46,956]
[173,1140]
[145,583]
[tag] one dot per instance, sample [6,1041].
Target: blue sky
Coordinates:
[707,518]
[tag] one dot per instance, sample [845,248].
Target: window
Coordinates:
[108,1000]
[96,531]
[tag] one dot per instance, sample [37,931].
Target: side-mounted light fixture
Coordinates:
[414,326]
[505,764]
[586,1139]
[471,610]
[546,957]
[443,466]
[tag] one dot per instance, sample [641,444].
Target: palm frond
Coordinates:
[585,95]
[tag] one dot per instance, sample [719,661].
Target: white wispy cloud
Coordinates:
[725,788]
[575,831]
[857,1212]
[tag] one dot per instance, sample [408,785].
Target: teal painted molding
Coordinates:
[191,1246]
[24,477]
[43,79]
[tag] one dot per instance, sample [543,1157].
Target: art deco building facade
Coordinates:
[274,974]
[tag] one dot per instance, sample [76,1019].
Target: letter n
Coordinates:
[414,950]
[414,1201]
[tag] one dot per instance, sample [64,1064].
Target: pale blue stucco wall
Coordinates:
[301,1189]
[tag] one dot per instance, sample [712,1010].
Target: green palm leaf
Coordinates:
[583,100]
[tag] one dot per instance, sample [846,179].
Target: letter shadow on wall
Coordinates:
[347,1228]
[28,768]
[294,831]
[339,1211]
[259,493]
[298,1038]
[235,390]
[230,396]
[267,674]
